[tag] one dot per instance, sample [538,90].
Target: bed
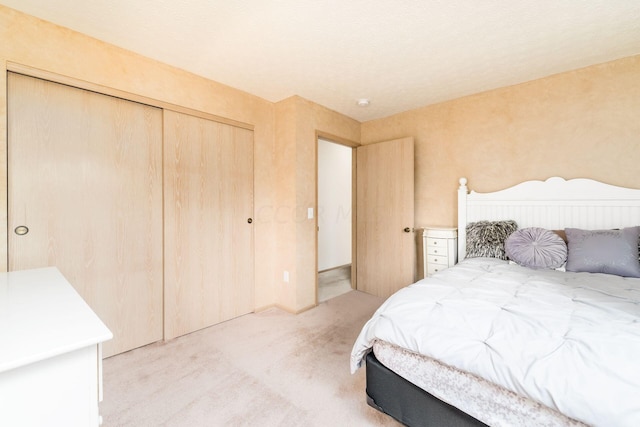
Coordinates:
[537,324]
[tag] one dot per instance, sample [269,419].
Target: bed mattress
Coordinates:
[564,340]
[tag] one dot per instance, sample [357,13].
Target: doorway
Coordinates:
[335,219]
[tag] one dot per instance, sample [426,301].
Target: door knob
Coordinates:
[250,220]
[407,230]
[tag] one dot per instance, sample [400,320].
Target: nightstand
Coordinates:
[440,249]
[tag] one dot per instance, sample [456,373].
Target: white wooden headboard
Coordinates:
[553,204]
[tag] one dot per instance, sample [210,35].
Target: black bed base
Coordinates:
[390,393]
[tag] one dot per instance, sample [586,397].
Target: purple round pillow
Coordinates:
[536,248]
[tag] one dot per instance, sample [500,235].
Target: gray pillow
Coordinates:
[536,248]
[604,251]
[486,238]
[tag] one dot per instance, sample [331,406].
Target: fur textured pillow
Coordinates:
[486,238]
[536,248]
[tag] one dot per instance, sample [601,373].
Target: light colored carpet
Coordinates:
[265,369]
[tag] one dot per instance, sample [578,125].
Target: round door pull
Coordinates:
[250,220]
[407,230]
[21,230]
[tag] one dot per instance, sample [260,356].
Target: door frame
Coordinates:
[353,145]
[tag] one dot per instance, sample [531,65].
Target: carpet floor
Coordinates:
[266,369]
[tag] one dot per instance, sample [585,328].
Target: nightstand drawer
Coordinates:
[434,242]
[437,250]
[437,259]
[434,268]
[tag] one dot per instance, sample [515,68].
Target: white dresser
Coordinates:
[440,249]
[50,352]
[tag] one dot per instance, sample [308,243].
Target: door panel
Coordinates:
[85,177]
[208,239]
[384,208]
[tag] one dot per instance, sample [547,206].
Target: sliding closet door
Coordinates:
[208,233]
[85,177]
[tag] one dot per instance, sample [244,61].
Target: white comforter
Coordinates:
[568,340]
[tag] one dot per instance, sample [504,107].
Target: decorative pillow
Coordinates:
[486,238]
[604,251]
[536,248]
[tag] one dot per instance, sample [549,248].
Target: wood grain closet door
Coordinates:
[386,252]
[208,238]
[85,177]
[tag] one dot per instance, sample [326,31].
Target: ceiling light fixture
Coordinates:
[364,102]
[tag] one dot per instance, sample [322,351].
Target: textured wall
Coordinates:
[582,123]
[297,124]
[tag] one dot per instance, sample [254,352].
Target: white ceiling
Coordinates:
[400,54]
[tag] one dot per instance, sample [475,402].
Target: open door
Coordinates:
[384,224]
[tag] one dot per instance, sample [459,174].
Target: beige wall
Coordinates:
[583,123]
[297,123]
[279,162]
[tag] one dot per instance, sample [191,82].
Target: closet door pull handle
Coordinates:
[21,230]
[250,220]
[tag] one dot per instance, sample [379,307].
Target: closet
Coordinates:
[86,184]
